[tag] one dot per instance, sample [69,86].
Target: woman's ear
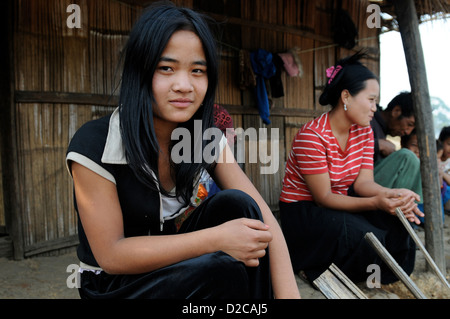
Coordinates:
[345,94]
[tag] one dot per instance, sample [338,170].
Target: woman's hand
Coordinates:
[401,198]
[245,240]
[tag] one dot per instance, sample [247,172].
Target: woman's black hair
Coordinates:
[147,41]
[352,76]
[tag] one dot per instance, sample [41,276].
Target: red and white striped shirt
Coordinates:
[315,150]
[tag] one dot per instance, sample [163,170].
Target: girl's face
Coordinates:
[362,106]
[446,149]
[180,81]
[413,145]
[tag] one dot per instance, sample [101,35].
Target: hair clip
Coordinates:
[332,71]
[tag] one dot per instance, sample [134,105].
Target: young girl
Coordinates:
[444,138]
[322,221]
[141,232]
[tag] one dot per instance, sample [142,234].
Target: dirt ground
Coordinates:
[48,277]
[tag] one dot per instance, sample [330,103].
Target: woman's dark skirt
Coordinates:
[317,237]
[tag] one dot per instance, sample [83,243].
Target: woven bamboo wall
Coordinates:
[49,57]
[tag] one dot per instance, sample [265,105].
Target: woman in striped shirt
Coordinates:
[329,199]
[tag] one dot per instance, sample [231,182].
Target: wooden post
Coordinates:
[409,29]
[8,151]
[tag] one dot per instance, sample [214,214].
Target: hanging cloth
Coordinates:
[247,78]
[263,68]
[345,30]
[291,62]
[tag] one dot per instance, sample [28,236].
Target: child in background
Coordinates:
[444,138]
[410,142]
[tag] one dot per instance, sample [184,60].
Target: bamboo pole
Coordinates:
[409,29]
[416,239]
[393,265]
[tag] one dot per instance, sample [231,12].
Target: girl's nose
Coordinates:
[182,82]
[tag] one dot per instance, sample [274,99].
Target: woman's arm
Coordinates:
[228,175]
[101,216]
[372,196]
[389,199]
[320,187]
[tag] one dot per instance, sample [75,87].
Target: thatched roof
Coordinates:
[426,10]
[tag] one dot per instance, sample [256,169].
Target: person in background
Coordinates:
[410,142]
[143,230]
[444,138]
[396,120]
[322,222]
[395,168]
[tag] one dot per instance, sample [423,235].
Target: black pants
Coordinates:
[317,237]
[216,275]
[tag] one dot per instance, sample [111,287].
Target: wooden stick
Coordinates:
[413,234]
[334,284]
[342,277]
[395,267]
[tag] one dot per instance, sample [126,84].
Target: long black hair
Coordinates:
[145,45]
[352,76]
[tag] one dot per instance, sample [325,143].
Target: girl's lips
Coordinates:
[181,102]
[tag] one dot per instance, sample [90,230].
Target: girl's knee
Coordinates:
[236,203]
[222,275]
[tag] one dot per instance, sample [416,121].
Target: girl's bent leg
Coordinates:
[228,205]
[215,275]
[220,208]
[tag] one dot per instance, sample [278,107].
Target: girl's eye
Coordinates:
[198,71]
[165,68]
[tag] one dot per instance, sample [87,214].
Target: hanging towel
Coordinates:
[263,68]
[295,51]
[289,63]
